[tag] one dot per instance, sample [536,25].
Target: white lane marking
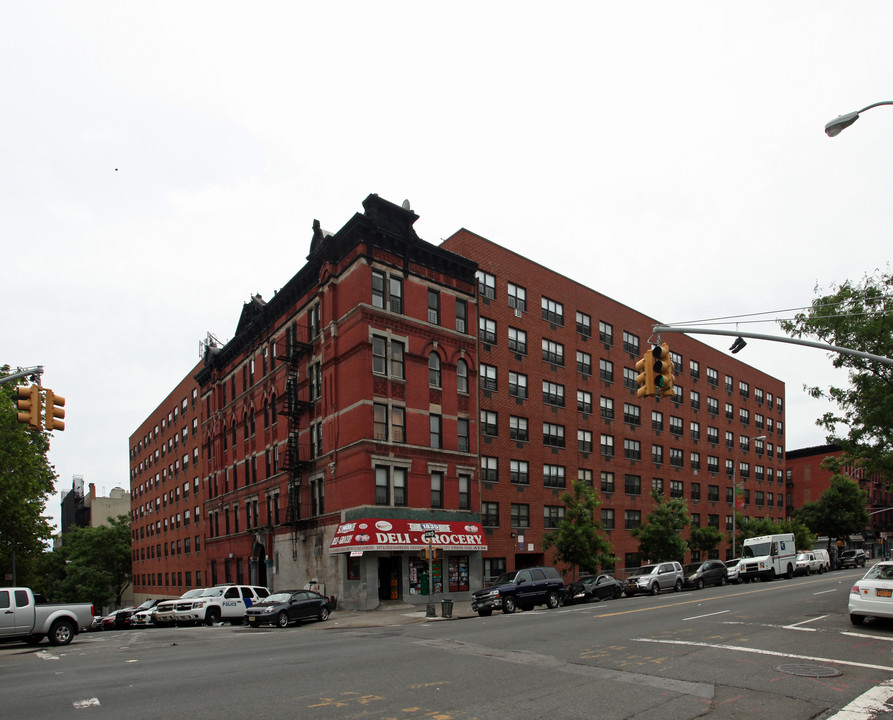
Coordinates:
[794,626]
[868,705]
[698,617]
[866,635]
[757,651]
[822,592]
[81,704]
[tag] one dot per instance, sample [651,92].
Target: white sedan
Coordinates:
[872,596]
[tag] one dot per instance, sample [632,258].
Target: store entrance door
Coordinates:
[389,585]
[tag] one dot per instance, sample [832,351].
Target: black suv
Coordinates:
[851,558]
[522,588]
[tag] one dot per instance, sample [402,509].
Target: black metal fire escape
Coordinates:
[297,456]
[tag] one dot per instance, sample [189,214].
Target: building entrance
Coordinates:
[389,581]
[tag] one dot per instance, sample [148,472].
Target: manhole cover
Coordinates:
[814,671]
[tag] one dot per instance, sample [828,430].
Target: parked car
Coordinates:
[26,616]
[824,558]
[282,608]
[872,596]
[520,589]
[708,572]
[221,602]
[144,614]
[117,619]
[654,578]
[592,588]
[808,563]
[852,558]
[732,569]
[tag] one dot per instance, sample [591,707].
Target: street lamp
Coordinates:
[735,493]
[841,122]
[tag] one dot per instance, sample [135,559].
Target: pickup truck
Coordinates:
[22,618]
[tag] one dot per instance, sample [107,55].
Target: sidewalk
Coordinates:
[396,613]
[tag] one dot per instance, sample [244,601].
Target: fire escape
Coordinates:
[297,456]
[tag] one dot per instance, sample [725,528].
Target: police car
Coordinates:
[221,602]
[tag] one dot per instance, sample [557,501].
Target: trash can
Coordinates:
[446,609]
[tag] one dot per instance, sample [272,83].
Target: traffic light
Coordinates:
[436,553]
[54,409]
[29,404]
[645,378]
[663,370]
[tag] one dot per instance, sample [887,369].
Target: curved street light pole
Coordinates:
[841,122]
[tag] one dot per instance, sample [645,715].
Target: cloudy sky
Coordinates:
[163,161]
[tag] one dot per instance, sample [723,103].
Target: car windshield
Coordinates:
[802,556]
[505,578]
[645,570]
[146,605]
[732,563]
[192,593]
[691,568]
[756,550]
[275,598]
[212,592]
[881,571]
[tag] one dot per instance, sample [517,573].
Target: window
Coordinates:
[434,370]
[461,316]
[743,389]
[518,429]
[517,297]
[632,484]
[694,399]
[584,441]
[676,457]
[632,414]
[606,370]
[629,379]
[713,406]
[387,292]
[607,407]
[519,472]
[314,371]
[461,376]
[607,482]
[490,514]
[712,464]
[390,485]
[676,489]
[384,358]
[694,460]
[553,435]
[464,443]
[488,331]
[676,426]
[433,307]
[585,476]
[657,420]
[379,294]
[553,352]
[552,516]
[553,476]
[712,377]
[712,435]
[553,311]
[696,519]
[608,518]
[729,383]
[730,440]
[694,368]
[657,485]
[517,341]
[607,445]
[517,385]
[553,393]
[520,516]
[486,284]
[584,402]
[488,378]
[630,343]
[694,429]
[606,333]
[584,363]
[489,425]
[584,324]
[744,416]
[632,449]
[713,493]
[464,492]
[632,519]
[657,454]
[435,431]
[489,469]
[696,491]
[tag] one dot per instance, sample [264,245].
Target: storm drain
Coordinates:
[813,671]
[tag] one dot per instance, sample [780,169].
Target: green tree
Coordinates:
[856,315]
[839,511]
[27,480]
[704,538]
[578,540]
[93,564]
[660,536]
[755,527]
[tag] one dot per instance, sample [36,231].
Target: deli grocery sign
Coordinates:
[371,535]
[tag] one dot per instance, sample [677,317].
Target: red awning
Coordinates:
[372,534]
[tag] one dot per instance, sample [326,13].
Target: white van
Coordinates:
[767,557]
[825,559]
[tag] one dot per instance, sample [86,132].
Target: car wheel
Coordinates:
[678,586]
[323,614]
[617,593]
[552,600]
[655,588]
[212,617]
[857,619]
[790,573]
[700,584]
[806,572]
[61,632]
[282,619]
[723,580]
[485,613]
[508,605]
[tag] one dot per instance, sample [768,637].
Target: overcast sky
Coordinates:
[163,161]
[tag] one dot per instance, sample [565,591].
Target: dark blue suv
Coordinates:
[522,588]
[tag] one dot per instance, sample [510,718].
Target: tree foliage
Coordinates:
[93,565]
[660,535]
[755,527]
[27,480]
[705,538]
[856,315]
[579,539]
[839,511]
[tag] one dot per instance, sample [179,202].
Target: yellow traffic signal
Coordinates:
[435,554]
[29,404]
[54,409]
[664,379]
[645,378]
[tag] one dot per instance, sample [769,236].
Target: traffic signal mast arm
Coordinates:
[36,371]
[696,330]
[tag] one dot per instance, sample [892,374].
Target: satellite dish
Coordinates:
[406,205]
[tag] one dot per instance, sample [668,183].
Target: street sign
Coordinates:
[429,534]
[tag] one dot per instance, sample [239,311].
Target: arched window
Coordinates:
[434,369]
[245,425]
[266,414]
[462,376]
[234,433]
[274,409]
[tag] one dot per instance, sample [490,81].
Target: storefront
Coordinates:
[385,560]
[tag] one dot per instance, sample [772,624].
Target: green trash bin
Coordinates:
[446,608]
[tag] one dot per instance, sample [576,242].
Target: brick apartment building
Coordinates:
[807,480]
[367,402]
[558,402]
